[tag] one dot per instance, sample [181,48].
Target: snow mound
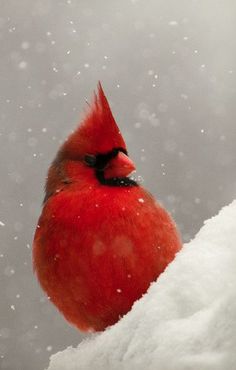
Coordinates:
[187,319]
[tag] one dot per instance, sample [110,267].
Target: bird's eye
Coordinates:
[90,160]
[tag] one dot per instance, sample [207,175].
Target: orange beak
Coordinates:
[120,166]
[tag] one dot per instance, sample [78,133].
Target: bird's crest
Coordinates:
[98,132]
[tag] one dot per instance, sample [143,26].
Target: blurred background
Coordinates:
[168,69]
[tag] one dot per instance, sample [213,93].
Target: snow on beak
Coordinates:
[120,166]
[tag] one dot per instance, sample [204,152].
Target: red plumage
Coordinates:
[101,238]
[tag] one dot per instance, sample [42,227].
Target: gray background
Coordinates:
[168,68]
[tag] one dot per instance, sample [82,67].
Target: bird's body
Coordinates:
[101,240]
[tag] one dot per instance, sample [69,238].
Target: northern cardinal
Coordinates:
[101,238]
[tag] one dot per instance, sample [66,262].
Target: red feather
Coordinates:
[98,132]
[98,247]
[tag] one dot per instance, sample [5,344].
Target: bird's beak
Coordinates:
[120,166]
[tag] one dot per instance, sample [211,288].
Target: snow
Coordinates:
[187,319]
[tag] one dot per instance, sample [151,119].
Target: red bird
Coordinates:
[101,238]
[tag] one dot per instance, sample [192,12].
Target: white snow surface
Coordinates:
[186,320]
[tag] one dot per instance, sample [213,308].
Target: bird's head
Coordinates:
[96,149]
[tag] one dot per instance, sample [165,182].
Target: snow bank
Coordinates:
[186,321]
